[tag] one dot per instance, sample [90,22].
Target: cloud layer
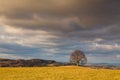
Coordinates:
[54,28]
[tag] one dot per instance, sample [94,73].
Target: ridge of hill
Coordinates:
[26,63]
[42,62]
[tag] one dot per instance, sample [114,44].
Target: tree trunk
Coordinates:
[77,63]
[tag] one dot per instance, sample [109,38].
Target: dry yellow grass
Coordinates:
[58,73]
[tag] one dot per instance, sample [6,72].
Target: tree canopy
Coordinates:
[78,57]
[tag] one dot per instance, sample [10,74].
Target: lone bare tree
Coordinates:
[78,58]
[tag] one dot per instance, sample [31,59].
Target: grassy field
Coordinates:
[58,73]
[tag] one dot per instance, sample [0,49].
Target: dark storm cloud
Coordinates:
[59,26]
[89,12]
[80,18]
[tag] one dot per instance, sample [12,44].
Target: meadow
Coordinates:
[58,73]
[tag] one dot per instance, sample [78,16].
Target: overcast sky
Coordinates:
[52,29]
